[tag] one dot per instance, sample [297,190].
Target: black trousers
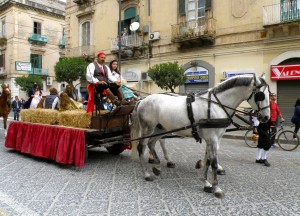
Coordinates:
[273,131]
[264,141]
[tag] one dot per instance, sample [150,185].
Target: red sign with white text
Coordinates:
[285,72]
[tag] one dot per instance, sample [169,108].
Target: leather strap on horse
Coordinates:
[189,99]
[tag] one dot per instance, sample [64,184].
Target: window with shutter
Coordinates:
[37,28]
[2,60]
[85,34]
[208,4]
[181,7]
[36,60]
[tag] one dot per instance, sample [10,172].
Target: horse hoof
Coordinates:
[156,171]
[149,178]
[221,172]
[151,161]
[208,189]
[171,165]
[198,164]
[219,194]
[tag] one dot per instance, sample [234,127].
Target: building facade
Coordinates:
[211,39]
[32,32]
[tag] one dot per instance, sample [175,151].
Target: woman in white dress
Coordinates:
[128,94]
[36,97]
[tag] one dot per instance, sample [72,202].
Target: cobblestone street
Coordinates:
[114,185]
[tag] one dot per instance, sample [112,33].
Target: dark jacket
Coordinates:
[16,104]
[297,115]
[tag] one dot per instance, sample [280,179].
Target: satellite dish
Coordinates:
[134,26]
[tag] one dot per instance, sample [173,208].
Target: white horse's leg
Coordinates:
[212,151]
[203,166]
[5,132]
[170,163]
[153,158]
[141,150]
[151,145]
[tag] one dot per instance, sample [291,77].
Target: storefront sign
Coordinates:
[285,72]
[23,66]
[228,74]
[196,75]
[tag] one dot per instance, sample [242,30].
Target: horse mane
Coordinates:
[233,82]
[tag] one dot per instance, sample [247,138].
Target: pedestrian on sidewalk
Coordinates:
[273,119]
[296,116]
[264,143]
[16,105]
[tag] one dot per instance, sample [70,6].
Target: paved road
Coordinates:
[113,185]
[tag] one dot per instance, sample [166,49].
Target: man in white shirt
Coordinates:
[100,75]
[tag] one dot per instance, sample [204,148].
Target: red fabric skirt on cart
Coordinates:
[61,144]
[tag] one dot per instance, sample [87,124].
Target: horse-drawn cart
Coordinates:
[69,145]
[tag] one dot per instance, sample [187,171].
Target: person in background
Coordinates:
[107,104]
[22,103]
[274,113]
[296,116]
[35,95]
[16,105]
[51,100]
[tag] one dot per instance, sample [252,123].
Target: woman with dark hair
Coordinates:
[296,116]
[128,94]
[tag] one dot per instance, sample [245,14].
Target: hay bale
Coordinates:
[42,116]
[25,115]
[75,118]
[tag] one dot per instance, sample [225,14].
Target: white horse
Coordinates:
[212,112]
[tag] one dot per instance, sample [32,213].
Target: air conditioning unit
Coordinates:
[145,77]
[49,81]
[154,36]
[1,70]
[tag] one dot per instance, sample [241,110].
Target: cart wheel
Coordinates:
[115,149]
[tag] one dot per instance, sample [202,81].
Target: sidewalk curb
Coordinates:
[233,136]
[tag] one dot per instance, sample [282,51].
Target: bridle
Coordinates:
[258,95]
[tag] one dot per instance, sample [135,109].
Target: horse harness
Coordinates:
[221,122]
[209,122]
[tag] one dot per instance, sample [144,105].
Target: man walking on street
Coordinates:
[274,113]
[16,105]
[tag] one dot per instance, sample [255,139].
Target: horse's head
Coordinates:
[259,98]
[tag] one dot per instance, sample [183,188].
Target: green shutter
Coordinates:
[40,63]
[208,5]
[122,26]
[130,13]
[137,18]
[181,7]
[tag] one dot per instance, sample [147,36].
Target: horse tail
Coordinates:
[134,131]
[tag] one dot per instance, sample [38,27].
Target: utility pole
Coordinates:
[120,35]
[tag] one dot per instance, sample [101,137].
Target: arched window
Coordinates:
[86,34]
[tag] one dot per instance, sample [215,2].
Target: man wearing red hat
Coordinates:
[100,75]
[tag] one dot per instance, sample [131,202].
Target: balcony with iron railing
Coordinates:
[38,39]
[203,28]
[79,51]
[62,43]
[281,13]
[128,42]
[39,71]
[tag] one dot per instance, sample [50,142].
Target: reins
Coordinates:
[213,123]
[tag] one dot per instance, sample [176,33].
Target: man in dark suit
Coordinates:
[16,105]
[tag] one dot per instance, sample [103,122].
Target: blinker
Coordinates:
[259,96]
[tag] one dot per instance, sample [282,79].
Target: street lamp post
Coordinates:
[120,34]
